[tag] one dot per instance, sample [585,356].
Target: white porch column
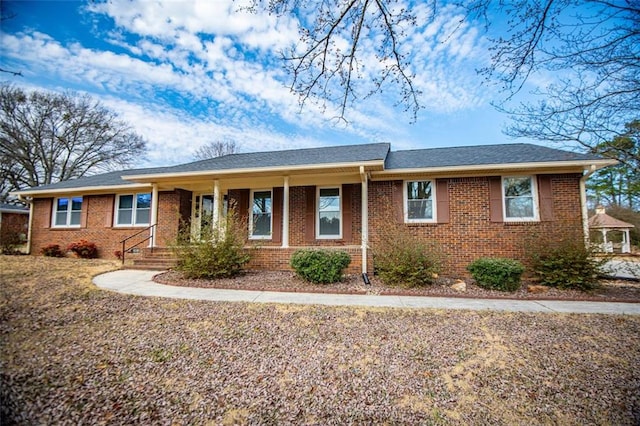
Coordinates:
[285,213]
[626,241]
[154,214]
[365,217]
[217,203]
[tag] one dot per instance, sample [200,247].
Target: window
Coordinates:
[329,215]
[133,210]
[520,202]
[419,201]
[67,212]
[260,219]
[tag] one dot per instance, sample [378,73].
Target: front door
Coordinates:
[202,214]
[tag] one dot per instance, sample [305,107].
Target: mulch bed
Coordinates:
[609,290]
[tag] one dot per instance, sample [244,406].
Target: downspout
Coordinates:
[583,202]
[154,214]
[365,220]
[30,202]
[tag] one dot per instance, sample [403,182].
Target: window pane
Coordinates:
[75,218]
[124,217]
[329,223]
[76,203]
[420,190]
[142,216]
[261,224]
[515,187]
[61,218]
[329,200]
[519,207]
[262,202]
[63,204]
[143,201]
[420,209]
[126,202]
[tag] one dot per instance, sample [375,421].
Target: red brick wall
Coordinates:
[470,234]
[14,222]
[97,223]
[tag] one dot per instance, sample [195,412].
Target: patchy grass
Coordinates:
[70,353]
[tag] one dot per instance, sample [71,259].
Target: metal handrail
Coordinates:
[129,250]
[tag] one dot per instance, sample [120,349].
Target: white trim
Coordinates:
[285,213]
[405,202]
[534,195]
[251,200]
[364,207]
[277,169]
[134,211]
[67,223]
[317,213]
[85,190]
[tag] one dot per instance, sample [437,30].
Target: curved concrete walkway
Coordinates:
[141,283]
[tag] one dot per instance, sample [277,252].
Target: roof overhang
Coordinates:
[333,168]
[84,190]
[496,169]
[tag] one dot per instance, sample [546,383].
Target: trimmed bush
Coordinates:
[495,273]
[84,249]
[567,263]
[219,253]
[52,250]
[320,266]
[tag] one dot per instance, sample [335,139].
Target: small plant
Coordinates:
[320,266]
[400,258]
[497,273]
[84,249]
[52,250]
[118,254]
[566,263]
[9,240]
[218,252]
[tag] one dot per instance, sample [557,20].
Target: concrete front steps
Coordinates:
[160,259]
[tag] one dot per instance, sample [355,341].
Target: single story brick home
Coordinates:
[473,201]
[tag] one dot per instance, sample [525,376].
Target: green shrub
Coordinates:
[218,253]
[496,273]
[320,266]
[84,249]
[52,250]
[566,263]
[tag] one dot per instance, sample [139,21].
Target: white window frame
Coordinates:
[67,223]
[534,196]
[251,200]
[328,237]
[134,211]
[434,204]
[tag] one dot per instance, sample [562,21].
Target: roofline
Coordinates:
[277,169]
[18,211]
[503,166]
[83,189]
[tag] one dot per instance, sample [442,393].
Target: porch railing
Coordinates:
[129,249]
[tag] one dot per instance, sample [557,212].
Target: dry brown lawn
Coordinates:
[71,353]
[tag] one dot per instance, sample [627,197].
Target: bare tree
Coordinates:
[215,149]
[590,48]
[48,137]
[329,64]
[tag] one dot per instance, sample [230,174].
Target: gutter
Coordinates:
[583,201]
[30,202]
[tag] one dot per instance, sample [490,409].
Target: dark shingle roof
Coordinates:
[480,155]
[103,179]
[6,207]
[294,157]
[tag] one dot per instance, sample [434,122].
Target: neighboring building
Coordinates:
[602,223]
[14,222]
[474,201]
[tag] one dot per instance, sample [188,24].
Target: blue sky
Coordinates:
[184,73]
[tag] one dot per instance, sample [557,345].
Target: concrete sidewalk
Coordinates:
[141,283]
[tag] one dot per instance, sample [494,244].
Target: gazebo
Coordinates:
[604,223]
